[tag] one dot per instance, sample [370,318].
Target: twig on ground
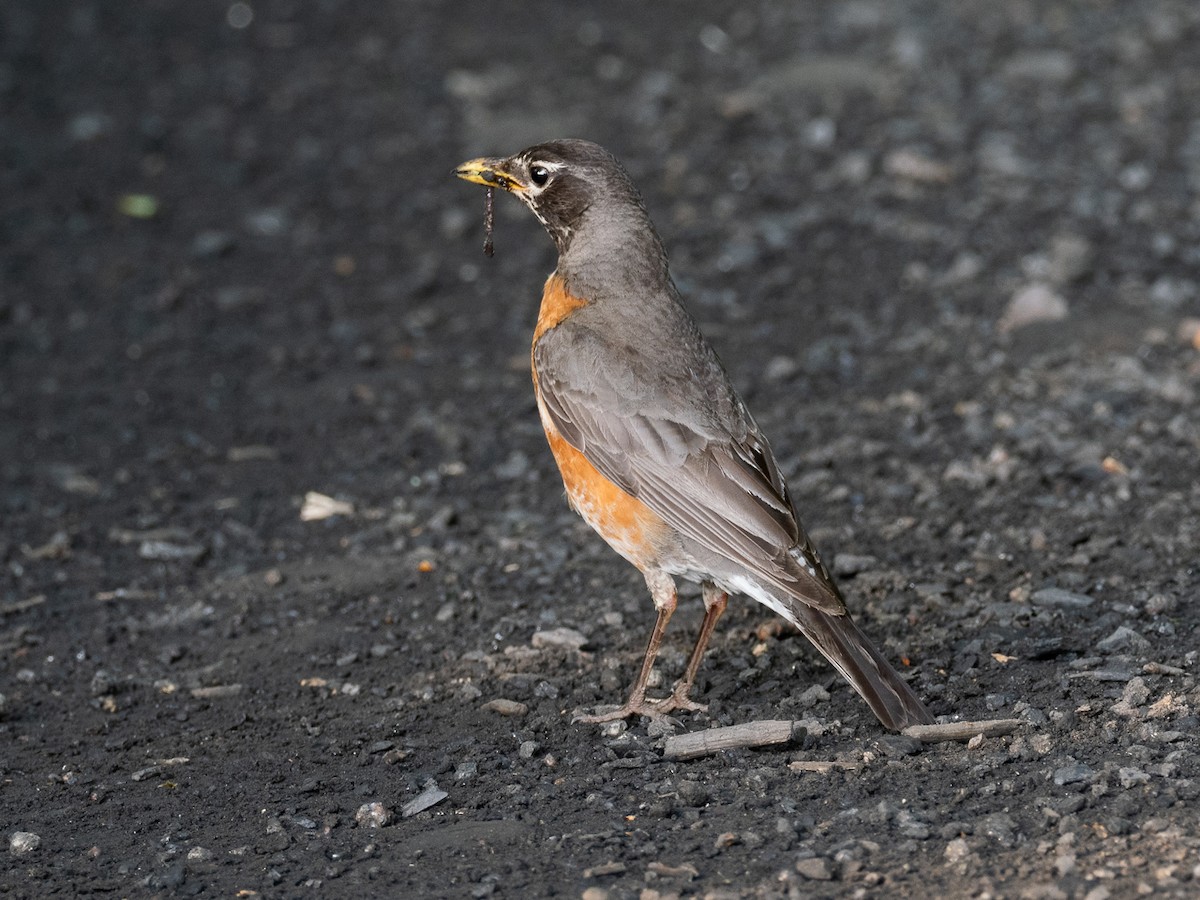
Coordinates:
[961,731]
[749,734]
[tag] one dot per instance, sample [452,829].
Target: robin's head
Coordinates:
[561,182]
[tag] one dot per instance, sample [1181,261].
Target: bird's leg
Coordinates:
[662,590]
[715,601]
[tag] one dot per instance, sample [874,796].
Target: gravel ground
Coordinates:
[291,603]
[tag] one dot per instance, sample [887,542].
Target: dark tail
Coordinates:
[852,654]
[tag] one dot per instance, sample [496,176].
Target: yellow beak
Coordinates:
[489,172]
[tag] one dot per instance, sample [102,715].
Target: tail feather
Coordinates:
[853,654]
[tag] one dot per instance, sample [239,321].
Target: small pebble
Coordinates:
[22,842]
[1058,597]
[1123,638]
[914,166]
[430,796]
[506,707]
[813,695]
[373,815]
[1158,604]
[815,868]
[608,868]
[846,565]
[1136,692]
[167,551]
[211,244]
[1033,303]
[1130,777]
[567,638]
[957,850]
[1074,774]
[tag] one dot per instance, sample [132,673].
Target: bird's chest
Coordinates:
[557,304]
[624,521]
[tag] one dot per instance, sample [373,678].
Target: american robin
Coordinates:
[657,451]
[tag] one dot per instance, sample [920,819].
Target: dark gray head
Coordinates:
[570,185]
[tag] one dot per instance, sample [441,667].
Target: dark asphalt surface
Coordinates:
[948,252]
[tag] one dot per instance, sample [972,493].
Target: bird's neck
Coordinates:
[613,252]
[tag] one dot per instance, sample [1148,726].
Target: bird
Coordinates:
[657,451]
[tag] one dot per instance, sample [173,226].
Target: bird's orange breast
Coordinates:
[628,525]
[557,304]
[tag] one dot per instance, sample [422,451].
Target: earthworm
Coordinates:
[489,219]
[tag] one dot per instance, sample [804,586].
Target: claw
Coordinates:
[651,709]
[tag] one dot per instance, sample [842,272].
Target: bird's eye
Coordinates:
[539,175]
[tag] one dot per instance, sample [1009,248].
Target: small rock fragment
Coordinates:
[914,166]
[815,868]
[1189,332]
[506,707]
[216,691]
[268,222]
[1129,776]
[608,868]
[320,506]
[1000,827]
[167,551]
[1158,604]
[780,368]
[376,815]
[58,547]
[212,243]
[430,796]
[73,481]
[568,638]
[1074,774]
[22,842]
[1166,705]
[912,827]
[1032,303]
[813,694]
[726,839]
[1136,691]
[1052,596]
[251,453]
[1070,258]
[687,870]
[957,850]
[846,565]
[1123,638]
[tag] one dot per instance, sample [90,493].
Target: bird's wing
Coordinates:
[673,433]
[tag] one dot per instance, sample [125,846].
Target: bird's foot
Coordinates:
[652,709]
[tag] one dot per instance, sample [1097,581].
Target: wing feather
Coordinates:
[685,446]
